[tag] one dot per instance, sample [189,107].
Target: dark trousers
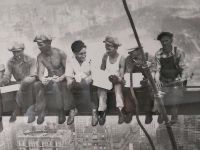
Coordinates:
[61,95]
[30,97]
[173,94]
[1,107]
[85,96]
[144,97]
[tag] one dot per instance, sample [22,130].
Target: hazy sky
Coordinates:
[88,20]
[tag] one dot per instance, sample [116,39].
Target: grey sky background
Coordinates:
[92,20]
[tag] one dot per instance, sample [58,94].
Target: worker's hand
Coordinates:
[1,83]
[70,82]
[144,82]
[45,81]
[123,81]
[57,79]
[149,64]
[87,80]
[114,79]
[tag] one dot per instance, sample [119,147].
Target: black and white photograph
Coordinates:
[100,75]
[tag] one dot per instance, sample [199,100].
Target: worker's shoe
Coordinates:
[14,115]
[174,119]
[1,124]
[72,114]
[31,118]
[128,117]
[61,117]
[102,117]
[121,116]
[94,117]
[41,117]
[148,118]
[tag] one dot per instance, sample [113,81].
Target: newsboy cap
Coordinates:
[130,50]
[42,38]
[112,41]
[16,47]
[170,35]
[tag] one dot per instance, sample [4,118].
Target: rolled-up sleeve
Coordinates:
[157,64]
[33,68]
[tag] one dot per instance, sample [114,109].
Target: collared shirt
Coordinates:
[179,54]
[19,69]
[78,71]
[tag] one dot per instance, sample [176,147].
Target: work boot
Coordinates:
[160,119]
[102,117]
[72,114]
[61,117]
[14,115]
[41,117]
[121,116]
[31,114]
[128,117]
[31,118]
[148,118]
[1,125]
[94,117]
[174,119]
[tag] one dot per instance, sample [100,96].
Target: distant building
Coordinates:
[44,140]
[6,139]
[95,138]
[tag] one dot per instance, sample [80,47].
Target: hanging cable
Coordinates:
[138,111]
[158,98]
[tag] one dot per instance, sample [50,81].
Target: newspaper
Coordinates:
[100,79]
[137,77]
[9,88]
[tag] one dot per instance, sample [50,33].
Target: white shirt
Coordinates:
[78,71]
[113,68]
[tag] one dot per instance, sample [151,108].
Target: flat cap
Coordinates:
[130,50]
[164,34]
[42,38]
[112,41]
[16,47]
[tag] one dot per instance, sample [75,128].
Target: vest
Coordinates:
[170,69]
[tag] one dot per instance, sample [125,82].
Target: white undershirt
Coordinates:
[113,68]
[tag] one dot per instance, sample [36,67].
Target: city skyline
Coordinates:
[81,135]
